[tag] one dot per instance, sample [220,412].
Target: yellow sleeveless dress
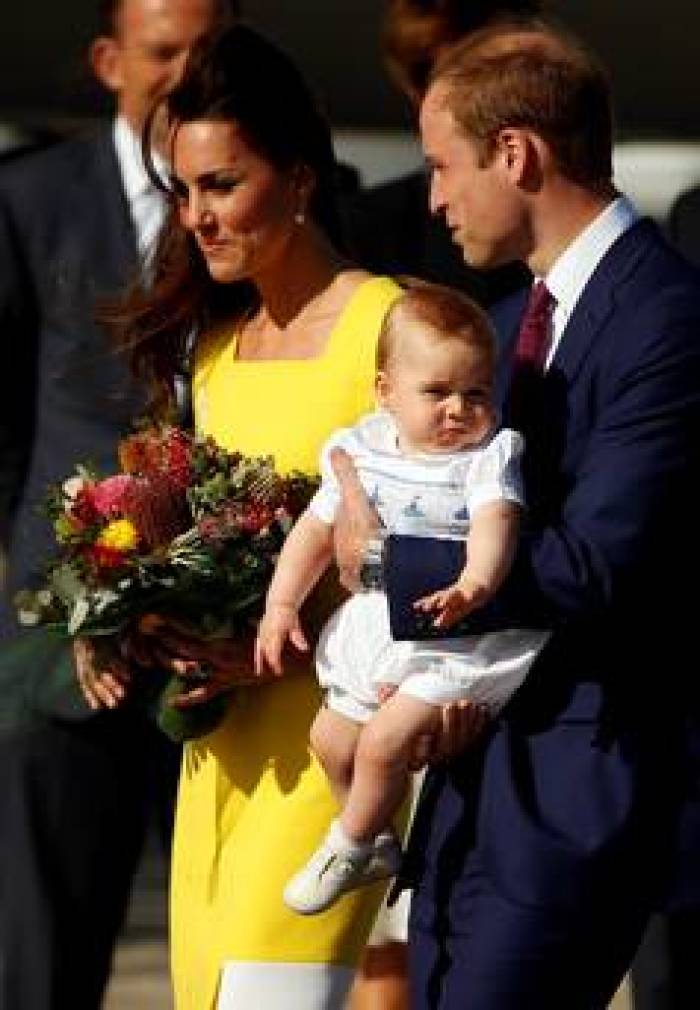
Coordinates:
[253,803]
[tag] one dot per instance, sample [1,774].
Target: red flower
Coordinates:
[157,508]
[162,453]
[83,511]
[178,448]
[101,556]
[256,517]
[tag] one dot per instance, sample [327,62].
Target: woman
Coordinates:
[285,354]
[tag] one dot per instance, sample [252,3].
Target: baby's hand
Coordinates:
[450,605]
[280,623]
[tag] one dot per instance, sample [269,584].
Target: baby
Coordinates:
[433,465]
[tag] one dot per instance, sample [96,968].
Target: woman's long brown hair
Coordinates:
[235,75]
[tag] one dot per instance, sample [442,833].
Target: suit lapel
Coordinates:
[588,319]
[107,228]
[598,300]
[97,259]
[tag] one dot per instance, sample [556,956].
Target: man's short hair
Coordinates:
[529,74]
[108,14]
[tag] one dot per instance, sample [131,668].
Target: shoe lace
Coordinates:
[337,864]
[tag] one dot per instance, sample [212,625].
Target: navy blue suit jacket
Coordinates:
[66,242]
[586,775]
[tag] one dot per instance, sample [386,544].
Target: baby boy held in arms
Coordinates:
[433,464]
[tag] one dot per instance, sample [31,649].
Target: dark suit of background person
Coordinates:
[683,224]
[72,800]
[664,975]
[575,816]
[76,787]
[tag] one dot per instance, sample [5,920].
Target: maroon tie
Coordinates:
[530,353]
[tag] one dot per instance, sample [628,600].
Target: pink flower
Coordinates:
[108,496]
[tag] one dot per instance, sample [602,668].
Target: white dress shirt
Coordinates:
[147,204]
[574,268]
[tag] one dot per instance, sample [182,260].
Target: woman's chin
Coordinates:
[225,273]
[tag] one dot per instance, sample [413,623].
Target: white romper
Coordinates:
[427,495]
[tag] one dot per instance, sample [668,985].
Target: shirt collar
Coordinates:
[133,171]
[574,268]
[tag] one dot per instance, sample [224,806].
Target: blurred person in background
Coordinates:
[389,226]
[664,975]
[684,223]
[77,222]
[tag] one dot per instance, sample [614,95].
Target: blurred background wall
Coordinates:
[650,48]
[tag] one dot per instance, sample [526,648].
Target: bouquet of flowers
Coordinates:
[186,530]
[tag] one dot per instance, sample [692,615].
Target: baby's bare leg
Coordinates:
[381,772]
[334,740]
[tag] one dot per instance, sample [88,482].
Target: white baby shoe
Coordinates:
[339,865]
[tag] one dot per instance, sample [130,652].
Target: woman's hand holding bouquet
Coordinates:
[165,566]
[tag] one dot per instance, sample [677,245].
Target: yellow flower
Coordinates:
[120,534]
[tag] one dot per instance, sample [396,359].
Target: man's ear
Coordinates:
[512,150]
[106,62]
[524,156]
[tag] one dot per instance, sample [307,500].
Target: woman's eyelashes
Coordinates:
[222,184]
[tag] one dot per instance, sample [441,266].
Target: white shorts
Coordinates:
[356,652]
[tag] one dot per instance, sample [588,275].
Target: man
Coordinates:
[76,221]
[538,855]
